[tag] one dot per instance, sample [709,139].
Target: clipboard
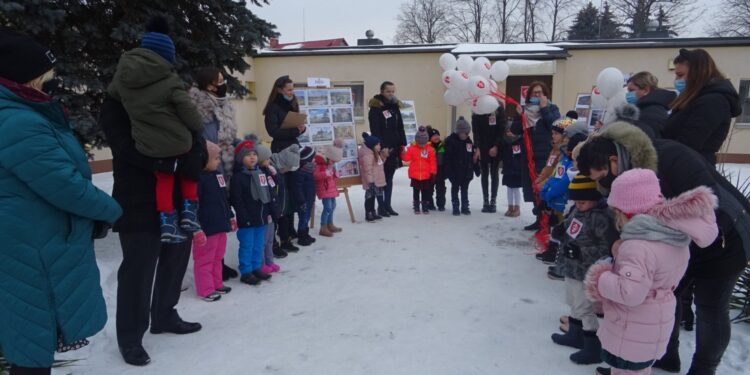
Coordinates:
[293,120]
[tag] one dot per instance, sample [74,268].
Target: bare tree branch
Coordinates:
[635,14]
[423,22]
[731,18]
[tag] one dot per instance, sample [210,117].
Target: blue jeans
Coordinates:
[326,217]
[252,241]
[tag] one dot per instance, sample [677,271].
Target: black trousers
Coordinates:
[425,195]
[148,264]
[464,188]
[15,370]
[439,189]
[713,328]
[390,169]
[490,171]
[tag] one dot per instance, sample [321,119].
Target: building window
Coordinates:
[251,94]
[744,119]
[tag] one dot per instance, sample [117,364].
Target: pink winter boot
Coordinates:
[266,268]
[275,267]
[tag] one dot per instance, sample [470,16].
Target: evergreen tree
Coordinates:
[586,24]
[88,37]
[609,27]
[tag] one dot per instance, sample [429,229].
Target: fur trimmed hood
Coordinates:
[692,213]
[635,141]
[378,101]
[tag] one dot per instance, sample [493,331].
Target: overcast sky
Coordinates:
[329,19]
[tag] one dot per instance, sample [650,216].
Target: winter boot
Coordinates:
[249,279]
[260,275]
[227,272]
[431,205]
[554,274]
[603,371]
[509,211]
[670,362]
[224,290]
[170,232]
[213,297]
[465,210]
[456,210]
[441,208]
[591,352]
[383,212]
[425,207]
[493,205]
[334,229]
[288,246]
[324,231]
[390,211]
[278,252]
[370,217]
[266,268]
[533,226]
[189,216]
[292,232]
[486,205]
[573,338]
[516,211]
[549,256]
[376,216]
[415,206]
[304,239]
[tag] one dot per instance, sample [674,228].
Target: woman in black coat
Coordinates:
[653,103]
[387,124]
[703,112]
[488,134]
[540,115]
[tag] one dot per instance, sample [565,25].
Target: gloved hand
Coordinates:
[199,238]
[101,229]
[572,251]
[233,224]
[166,165]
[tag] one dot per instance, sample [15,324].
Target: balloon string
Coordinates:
[542,236]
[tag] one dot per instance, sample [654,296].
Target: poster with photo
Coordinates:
[596,115]
[583,106]
[341,97]
[317,98]
[410,128]
[343,115]
[347,168]
[350,149]
[321,134]
[301,97]
[304,138]
[343,131]
[409,115]
[318,116]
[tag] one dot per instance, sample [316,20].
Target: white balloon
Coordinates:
[481,67]
[610,81]
[484,104]
[500,70]
[460,81]
[597,100]
[479,86]
[447,78]
[465,62]
[613,103]
[453,97]
[447,61]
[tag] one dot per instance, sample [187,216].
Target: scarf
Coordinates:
[648,228]
[533,114]
[257,191]
[212,108]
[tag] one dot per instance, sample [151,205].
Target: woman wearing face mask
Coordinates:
[387,124]
[540,115]
[644,93]
[702,113]
[280,102]
[50,295]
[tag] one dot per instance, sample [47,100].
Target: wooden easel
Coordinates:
[345,190]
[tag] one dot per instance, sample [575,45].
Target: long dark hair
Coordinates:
[279,84]
[533,85]
[702,70]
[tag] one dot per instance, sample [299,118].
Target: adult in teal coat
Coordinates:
[49,281]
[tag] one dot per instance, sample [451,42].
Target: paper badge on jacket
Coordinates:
[516,149]
[493,120]
[221,180]
[560,172]
[575,228]
[424,154]
[551,160]
[271,183]
[263,180]
[469,147]
[387,114]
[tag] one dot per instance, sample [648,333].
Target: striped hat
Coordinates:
[582,188]
[157,39]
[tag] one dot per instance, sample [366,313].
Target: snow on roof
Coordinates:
[506,47]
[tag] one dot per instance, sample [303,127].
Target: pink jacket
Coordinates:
[370,168]
[637,290]
[325,178]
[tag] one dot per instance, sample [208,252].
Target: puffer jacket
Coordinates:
[163,116]
[555,190]
[459,159]
[370,168]
[251,212]
[325,178]
[49,280]
[274,117]
[654,109]
[488,131]
[387,124]
[423,162]
[704,124]
[541,134]
[637,291]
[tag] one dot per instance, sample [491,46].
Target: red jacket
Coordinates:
[325,178]
[423,161]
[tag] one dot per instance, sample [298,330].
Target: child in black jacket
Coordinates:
[460,164]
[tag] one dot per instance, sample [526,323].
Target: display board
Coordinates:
[409,116]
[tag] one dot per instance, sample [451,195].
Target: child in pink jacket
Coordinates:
[325,184]
[636,291]
[372,172]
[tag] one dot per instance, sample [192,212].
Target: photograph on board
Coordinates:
[317,98]
[347,168]
[301,97]
[343,115]
[318,116]
[344,131]
[341,97]
[321,133]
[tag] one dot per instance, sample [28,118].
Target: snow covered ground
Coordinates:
[432,294]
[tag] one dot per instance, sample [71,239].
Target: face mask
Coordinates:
[534,101]
[288,98]
[52,86]
[221,91]
[463,136]
[680,84]
[630,97]
[607,180]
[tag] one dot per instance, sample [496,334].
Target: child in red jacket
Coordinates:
[325,184]
[422,169]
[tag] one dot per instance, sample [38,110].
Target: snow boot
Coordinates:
[573,338]
[383,212]
[370,217]
[603,371]
[425,207]
[390,211]
[278,252]
[334,229]
[266,268]
[516,211]
[288,246]
[441,208]
[170,231]
[213,297]
[670,362]
[591,352]
[431,205]
[260,275]
[549,256]
[456,210]
[275,268]
[415,206]
[376,216]
[303,238]
[554,274]
[189,216]
[466,210]
[509,211]
[224,290]
[249,279]
[533,226]
[493,206]
[292,232]
[324,231]
[486,205]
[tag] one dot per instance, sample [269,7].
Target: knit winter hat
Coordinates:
[306,154]
[157,40]
[242,149]
[572,114]
[264,153]
[286,159]
[561,124]
[370,140]
[21,58]
[462,126]
[635,192]
[421,137]
[577,127]
[213,150]
[432,131]
[583,188]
